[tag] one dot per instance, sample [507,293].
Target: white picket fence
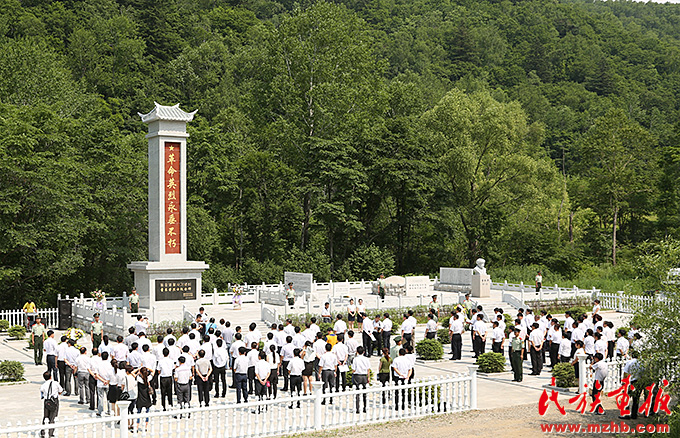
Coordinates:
[50,317]
[316,412]
[248,295]
[622,302]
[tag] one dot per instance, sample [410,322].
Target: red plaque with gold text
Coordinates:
[172,199]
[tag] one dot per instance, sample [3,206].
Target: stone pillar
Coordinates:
[168,279]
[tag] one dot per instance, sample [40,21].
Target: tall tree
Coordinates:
[619,162]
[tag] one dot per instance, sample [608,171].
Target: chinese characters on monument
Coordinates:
[172,198]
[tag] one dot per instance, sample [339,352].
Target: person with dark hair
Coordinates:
[536,349]
[341,351]
[600,371]
[384,369]
[295,369]
[105,374]
[204,372]
[274,360]
[221,361]
[497,338]
[287,354]
[579,349]
[94,364]
[387,326]
[51,354]
[328,366]
[83,376]
[49,393]
[38,337]
[183,376]
[362,366]
[253,357]
[564,352]
[241,375]
[61,361]
[367,335]
[517,352]
[456,330]
[431,327]
[402,372]
[262,371]
[308,355]
[165,368]
[143,394]
[622,344]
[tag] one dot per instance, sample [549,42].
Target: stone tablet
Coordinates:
[417,285]
[302,282]
[455,276]
[171,290]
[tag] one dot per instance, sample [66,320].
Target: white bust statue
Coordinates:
[479,269]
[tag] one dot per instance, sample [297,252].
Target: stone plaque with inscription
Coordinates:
[173,290]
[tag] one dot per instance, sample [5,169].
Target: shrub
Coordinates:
[11,370]
[564,375]
[430,349]
[17,331]
[4,325]
[491,363]
[443,336]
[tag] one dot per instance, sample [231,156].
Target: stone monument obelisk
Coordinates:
[168,279]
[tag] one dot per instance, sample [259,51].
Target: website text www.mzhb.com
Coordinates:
[612,427]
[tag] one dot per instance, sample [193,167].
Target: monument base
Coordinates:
[481,286]
[165,287]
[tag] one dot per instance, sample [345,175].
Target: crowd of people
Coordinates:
[208,353]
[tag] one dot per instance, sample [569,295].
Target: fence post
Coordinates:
[420,299]
[540,293]
[473,385]
[317,390]
[619,301]
[123,405]
[214,300]
[399,295]
[521,296]
[582,376]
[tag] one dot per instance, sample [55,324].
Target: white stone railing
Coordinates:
[622,302]
[248,295]
[50,316]
[454,393]
[116,320]
[546,292]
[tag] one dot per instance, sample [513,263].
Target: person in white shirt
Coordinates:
[326,313]
[95,361]
[610,337]
[386,330]
[183,374]
[83,376]
[253,335]
[120,350]
[579,350]
[287,354]
[456,332]
[367,335]
[328,365]
[262,371]
[568,323]
[479,329]
[289,328]
[308,333]
[576,335]
[168,336]
[600,344]
[340,326]
[220,360]
[596,309]
[589,343]
[280,338]
[600,371]
[61,360]
[431,327]
[299,339]
[49,392]
[406,331]
[294,369]
[143,340]
[555,339]
[536,349]
[142,324]
[274,360]
[498,338]
[314,325]
[377,335]
[501,321]
[564,352]
[165,369]
[241,375]
[622,344]
[351,313]
[360,375]
[71,356]
[361,309]
[50,347]
[402,370]
[253,356]
[104,375]
[135,357]
[342,353]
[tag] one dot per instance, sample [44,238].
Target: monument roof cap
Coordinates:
[163,112]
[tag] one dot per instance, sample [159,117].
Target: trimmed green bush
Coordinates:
[11,370]
[4,325]
[430,349]
[17,331]
[443,336]
[491,363]
[564,375]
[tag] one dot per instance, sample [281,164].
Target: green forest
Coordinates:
[346,138]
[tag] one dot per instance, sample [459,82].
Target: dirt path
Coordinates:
[513,422]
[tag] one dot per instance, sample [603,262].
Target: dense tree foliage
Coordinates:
[346,138]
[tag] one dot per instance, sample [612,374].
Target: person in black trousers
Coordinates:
[92,383]
[456,329]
